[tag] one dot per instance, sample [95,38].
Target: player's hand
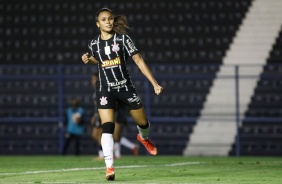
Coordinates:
[76,118]
[85,58]
[158,89]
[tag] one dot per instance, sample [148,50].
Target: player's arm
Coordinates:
[87,59]
[137,58]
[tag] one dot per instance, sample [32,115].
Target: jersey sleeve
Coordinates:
[129,45]
[92,53]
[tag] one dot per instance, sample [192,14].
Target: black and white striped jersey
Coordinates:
[112,55]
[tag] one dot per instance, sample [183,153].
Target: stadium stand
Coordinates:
[216,129]
[174,37]
[263,136]
[28,138]
[41,32]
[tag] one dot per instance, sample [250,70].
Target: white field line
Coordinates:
[183,163]
[97,168]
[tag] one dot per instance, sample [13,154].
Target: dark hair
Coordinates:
[75,102]
[120,21]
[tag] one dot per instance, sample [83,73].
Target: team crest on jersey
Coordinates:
[103,100]
[115,47]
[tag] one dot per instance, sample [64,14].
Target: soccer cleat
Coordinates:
[151,148]
[110,174]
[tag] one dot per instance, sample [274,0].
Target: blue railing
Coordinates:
[21,73]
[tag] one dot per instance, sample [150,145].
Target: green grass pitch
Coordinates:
[142,169]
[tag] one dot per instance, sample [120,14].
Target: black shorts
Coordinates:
[126,100]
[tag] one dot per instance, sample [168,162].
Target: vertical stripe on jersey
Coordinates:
[124,58]
[92,50]
[100,81]
[112,70]
[120,64]
[98,51]
[90,47]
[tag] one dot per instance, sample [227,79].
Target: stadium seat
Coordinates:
[171,42]
[262,136]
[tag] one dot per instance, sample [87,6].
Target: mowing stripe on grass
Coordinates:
[98,168]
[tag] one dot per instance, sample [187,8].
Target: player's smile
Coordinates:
[109,26]
[105,21]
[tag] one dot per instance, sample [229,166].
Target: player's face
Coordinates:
[105,21]
[74,102]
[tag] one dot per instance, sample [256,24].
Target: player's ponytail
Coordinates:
[120,24]
[120,21]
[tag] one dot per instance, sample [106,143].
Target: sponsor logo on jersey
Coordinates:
[130,45]
[115,47]
[119,83]
[112,62]
[135,99]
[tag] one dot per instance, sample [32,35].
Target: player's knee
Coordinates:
[108,127]
[145,125]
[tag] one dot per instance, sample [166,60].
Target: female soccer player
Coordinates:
[120,123]
[110,51]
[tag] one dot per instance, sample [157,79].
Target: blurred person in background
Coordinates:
[95,120]
[74,124]
[119,139]
[110,51]
[119,125]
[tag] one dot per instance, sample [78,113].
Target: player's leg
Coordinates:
[66,143]
[130,145]
[96,135]
[143,126]
[117,135]
[140,119]
[107,142]
[77,144]
[121,122]
[135,108]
